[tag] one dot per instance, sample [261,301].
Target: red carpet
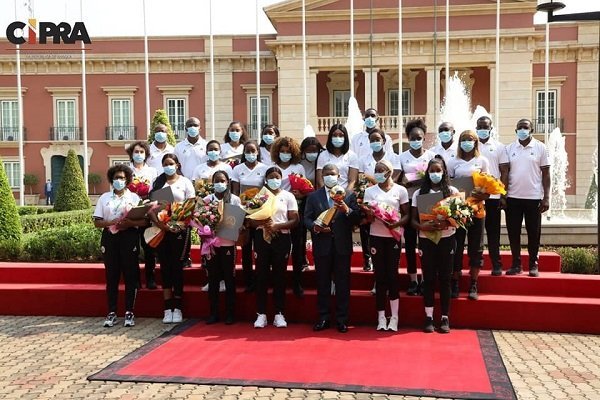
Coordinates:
[463,364]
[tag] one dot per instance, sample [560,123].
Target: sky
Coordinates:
[173,17]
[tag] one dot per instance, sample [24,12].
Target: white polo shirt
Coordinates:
[156,155]
[205,171]
[449,154]
[190,155]
[182,188]
[411,164]
[394,198]
[495,152]
[249,177]
[525,176]
[291,169]
[110,206]
[265,156]
[460,168]
[227,151]
[367,164]
[361,146]
[343,162]
[284,202]
[310,169]
[146,173]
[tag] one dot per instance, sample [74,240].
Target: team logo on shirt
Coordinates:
[373,250]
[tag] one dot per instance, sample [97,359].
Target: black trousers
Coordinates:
[364,241]
[385,253]
[248,258]
[492,230]
[298,237]
[334,266]
[120,254]
[220,266]
[436,261]
[172,255]
[474,236]
[410,247]
[516,211]
[149,254]
[271,259]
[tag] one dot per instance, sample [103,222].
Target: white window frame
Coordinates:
[409,103]
[118,159]
[5,133]
[265,117]
[540,96]
[180,135]
[170,92]
[345,100]
[266,90]
[13,181]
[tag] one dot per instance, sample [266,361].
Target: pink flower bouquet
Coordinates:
[388,215]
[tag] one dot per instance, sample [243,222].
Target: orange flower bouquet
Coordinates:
[454,209]
[261,207]
[484,183]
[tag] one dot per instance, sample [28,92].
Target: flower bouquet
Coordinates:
[175,215]
[484,183]
[301,184]
[419,173]
[454,209]
[248,195]
[261,207]
[122,213]
[203,188]
[232,162]
[388,216]
[140,186]
[359,188]
[205,219]
[337,194]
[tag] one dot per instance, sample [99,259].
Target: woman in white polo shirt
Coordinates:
[268,136]
[213,163]
[233,142]
[338,153]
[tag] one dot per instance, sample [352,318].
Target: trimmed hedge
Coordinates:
[35,223]
[10,249]
[10,224]
[33,210]
[578,260]
[71,192]
[80,242]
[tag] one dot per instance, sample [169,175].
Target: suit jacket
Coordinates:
[341,225]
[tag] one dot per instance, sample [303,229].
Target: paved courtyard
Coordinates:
[50,358]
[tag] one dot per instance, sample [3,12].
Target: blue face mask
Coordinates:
[483,133]
[220,187]
[118,184]
[139,158]
[337,141]
[160,137]
[415,144]
[376,146]
[274,183]
[285,157]
[467,145]
[235,136]
[169,170]
[445,136]
[330,180]
[250,157]
[312,156]
[193,131]
[370,122]
[380,177]
[268,139]
[436,177]
[213,155]
[523,134]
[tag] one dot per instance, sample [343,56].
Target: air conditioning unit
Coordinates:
[10,138]
[65,137]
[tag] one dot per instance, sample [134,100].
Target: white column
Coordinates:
[492,110]
[371,75]
[433,104]
[312,98]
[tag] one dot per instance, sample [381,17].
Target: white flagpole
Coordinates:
[447,42]
[546,83]
[497,77]
[20,105]
[400,61]
[351,48]
[258,102]
[304,62]
[86,167]
[146,73]
[212,73]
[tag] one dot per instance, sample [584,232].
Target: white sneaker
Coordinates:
[332,288]
[204,288]
[222,286]
[279,321]
[129,319]
[177,316]
[111,320]
[261,321]
[374,290]
[168,318]
[393,325]
[382,324]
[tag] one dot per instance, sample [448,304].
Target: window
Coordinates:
[540,113]
[265,114]
[176,112]
[9,120]
[393,102]
[66,120]
[116,160]
[121,127]
[13,172]
[340,103]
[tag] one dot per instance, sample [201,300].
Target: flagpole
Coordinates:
[497,77]
[146,73]
[212,72]
[400,123]
[351,48]
[304,62]
[86,167]
[258,102]
[447,42]
[20,105]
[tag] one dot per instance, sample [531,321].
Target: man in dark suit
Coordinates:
[332,248]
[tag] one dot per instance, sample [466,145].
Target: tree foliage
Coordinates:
[71,192]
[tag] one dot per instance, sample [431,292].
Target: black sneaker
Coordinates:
[110,320]
[187,263]
[213,319]
[413,288]
[497,270]
[533,270]
[444,325]
[229,320]
[150,282]
[368,266]
[473,292]
[129,319]
[428,326]
[514,270]
[454,291]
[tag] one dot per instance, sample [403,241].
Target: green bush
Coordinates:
[578,260]
[71,192]
[30,180]
[10,249]
[27,210]
[592,196]
[10,224]
[160,117]
[80,242]
[37,222]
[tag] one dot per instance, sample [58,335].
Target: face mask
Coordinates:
[160,137]
[380,177]
[370,122]
[170,170]
[285,157]
[193,131]
[467,145]
[376,146]
[523,134]
[268,139]
[337,141]
[274,183]
[330,180]
[483,133]
[139,158]
[445,136]
[220,187]
[213,155]
[250,157]
[235,136]
[311,156]
[119,184]
[436,177]
[415,144]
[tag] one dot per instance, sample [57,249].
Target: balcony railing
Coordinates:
[65,133]
[388,123]
[121,132]
[539,126]
[11,133]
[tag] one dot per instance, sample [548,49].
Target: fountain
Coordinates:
[354,123]
[559,164]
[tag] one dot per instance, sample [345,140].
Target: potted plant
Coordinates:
[93,180]
[31,180]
